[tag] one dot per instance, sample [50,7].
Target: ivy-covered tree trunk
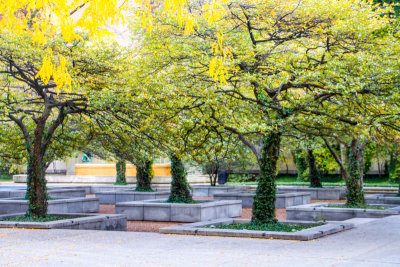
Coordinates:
[144,175]
[180,192]
[36,191]
[264,200]
[300,164]
[121,171]
[314,174]
[354,193]
[394,169]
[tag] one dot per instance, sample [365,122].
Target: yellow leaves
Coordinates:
[59,72]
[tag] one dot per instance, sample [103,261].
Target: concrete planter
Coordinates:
[324,193]
[209,191]
[79,221]
[282,200]
[320,211]
[68,205]
[53,193]
[126,196]
[158,210]
[303,235]
[383,199]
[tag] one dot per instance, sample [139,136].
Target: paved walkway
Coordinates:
[372,244]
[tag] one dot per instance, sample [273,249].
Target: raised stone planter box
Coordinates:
[156,210]
[209,191]
[320,211]
[53,193]
[126,196]
[303,235]
[383,199]
[282,200]
[68,205]
[107,222]
[324,193]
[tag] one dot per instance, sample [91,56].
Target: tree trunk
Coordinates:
[264,200]
[314,174]
[180,192]
[36,191]
[300,164]
[394,169]
[121,170]
[354,193]
[144,175]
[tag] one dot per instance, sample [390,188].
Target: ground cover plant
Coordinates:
[273,226]
[32,218]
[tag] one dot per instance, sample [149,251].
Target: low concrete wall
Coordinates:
[383,199]
[156,210]
[126,196]
[209,191]
[100,179]
[324,193]
[53,193]
[320,211]
[303,235]
[69,205]
[282,200]
[106,222]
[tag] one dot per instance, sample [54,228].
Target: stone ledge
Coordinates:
[107,222]
[156,210]
[53,193]
[303,235]
[68,205]
[282,200]
[323,193]
[126,196]
[319,211]
[209,191]
[382,199]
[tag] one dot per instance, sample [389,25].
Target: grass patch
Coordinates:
[369,207]
[47,218]
[6,178]
[273,226]
[144,190]
[372,181]
[183,201]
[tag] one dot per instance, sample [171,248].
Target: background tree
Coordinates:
[270,62]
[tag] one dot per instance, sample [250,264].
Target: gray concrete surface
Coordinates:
[159,210]
[68,205]
[282,200]
[77,221]
[112,197]
[323,211]
[372,244]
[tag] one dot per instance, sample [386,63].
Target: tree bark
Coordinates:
[354,193]
[180,192]
[36,191]
[300,164]
[264,200]
[314,174]
[144,175]
[121,170]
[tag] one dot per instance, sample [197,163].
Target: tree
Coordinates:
[41,22]
[39,107]
[256,71]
